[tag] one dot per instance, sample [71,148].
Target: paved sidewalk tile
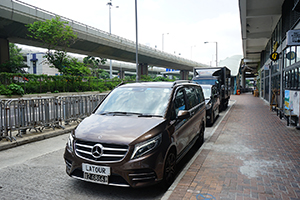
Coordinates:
[252,155]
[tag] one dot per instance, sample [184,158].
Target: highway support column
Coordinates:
[143,69]
[4,50]
[184,74]
[121,74]
[243,81]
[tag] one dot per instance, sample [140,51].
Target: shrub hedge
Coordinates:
[11,84]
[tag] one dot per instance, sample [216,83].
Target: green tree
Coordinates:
[54,34]
[75,68]
[103,74]
[16,61]
[94,64]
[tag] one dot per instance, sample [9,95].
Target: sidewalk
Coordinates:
[251,155]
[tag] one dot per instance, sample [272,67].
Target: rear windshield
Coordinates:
[206,81]
[152,101]
[206,92]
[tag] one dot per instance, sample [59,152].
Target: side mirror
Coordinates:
[183,114]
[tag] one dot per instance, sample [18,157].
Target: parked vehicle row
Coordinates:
[137,134]
[215,82]
[140,131]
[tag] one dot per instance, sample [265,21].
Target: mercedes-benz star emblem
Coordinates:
[97,150]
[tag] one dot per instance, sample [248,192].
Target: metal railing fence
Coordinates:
[19,115]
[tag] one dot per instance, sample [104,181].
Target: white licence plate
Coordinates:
[95,178]
[95,169]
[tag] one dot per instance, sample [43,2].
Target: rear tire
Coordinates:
[201,137]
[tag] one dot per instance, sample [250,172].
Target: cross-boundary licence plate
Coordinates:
[95,178]
[95,169]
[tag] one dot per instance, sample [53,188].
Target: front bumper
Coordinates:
[141,172]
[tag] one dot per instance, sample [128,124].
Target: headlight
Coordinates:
[70,142]
[144,147]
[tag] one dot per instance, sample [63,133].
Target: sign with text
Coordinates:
[293,37]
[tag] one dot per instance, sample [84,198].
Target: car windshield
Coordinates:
[136,100]
[206,92]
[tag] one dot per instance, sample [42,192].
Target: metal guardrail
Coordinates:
[19,115]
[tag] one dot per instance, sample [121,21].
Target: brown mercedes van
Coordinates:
[137,134]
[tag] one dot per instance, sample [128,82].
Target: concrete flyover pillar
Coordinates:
[4,50]
[121,74]
[243,81]
[143,69]
[184,74]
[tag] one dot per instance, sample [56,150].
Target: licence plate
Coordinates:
[96,178]
[96,173]
[95,169]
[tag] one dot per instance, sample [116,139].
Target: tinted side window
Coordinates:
[192,97]
[200,94]
[179,103]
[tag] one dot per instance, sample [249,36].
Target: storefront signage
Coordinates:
[291,55]
[274,56]
[275,46]
[293,37]
[291,101]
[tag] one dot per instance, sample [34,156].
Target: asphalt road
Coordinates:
[37,171]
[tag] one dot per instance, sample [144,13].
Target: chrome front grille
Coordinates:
[104,152]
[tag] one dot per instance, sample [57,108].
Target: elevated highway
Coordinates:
[14,15]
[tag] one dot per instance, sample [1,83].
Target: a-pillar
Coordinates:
[121,74]
[4,50]
[184,74]
[143,69]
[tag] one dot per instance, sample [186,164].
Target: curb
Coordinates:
[33,137]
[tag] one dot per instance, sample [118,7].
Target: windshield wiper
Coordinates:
[119,113]
[129,113]
[147,115]
[114,113]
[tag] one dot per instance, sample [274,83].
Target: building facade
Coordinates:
[38,65]
[278,70]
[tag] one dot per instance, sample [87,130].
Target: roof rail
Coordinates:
[182,81]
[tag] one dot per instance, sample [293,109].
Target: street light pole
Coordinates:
[136,43]
[216,51]
[216,54]
[163,41]
[110,62]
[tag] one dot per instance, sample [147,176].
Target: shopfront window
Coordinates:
[297,77]
[275,67]
[275,88]
[297,54]
[292,55]
[287,62]
[293,79]
[267,92]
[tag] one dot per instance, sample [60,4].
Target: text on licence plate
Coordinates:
[95,169]
[96,178]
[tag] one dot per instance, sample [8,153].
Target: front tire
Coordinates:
[169,170]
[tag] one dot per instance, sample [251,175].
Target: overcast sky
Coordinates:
[188,23]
